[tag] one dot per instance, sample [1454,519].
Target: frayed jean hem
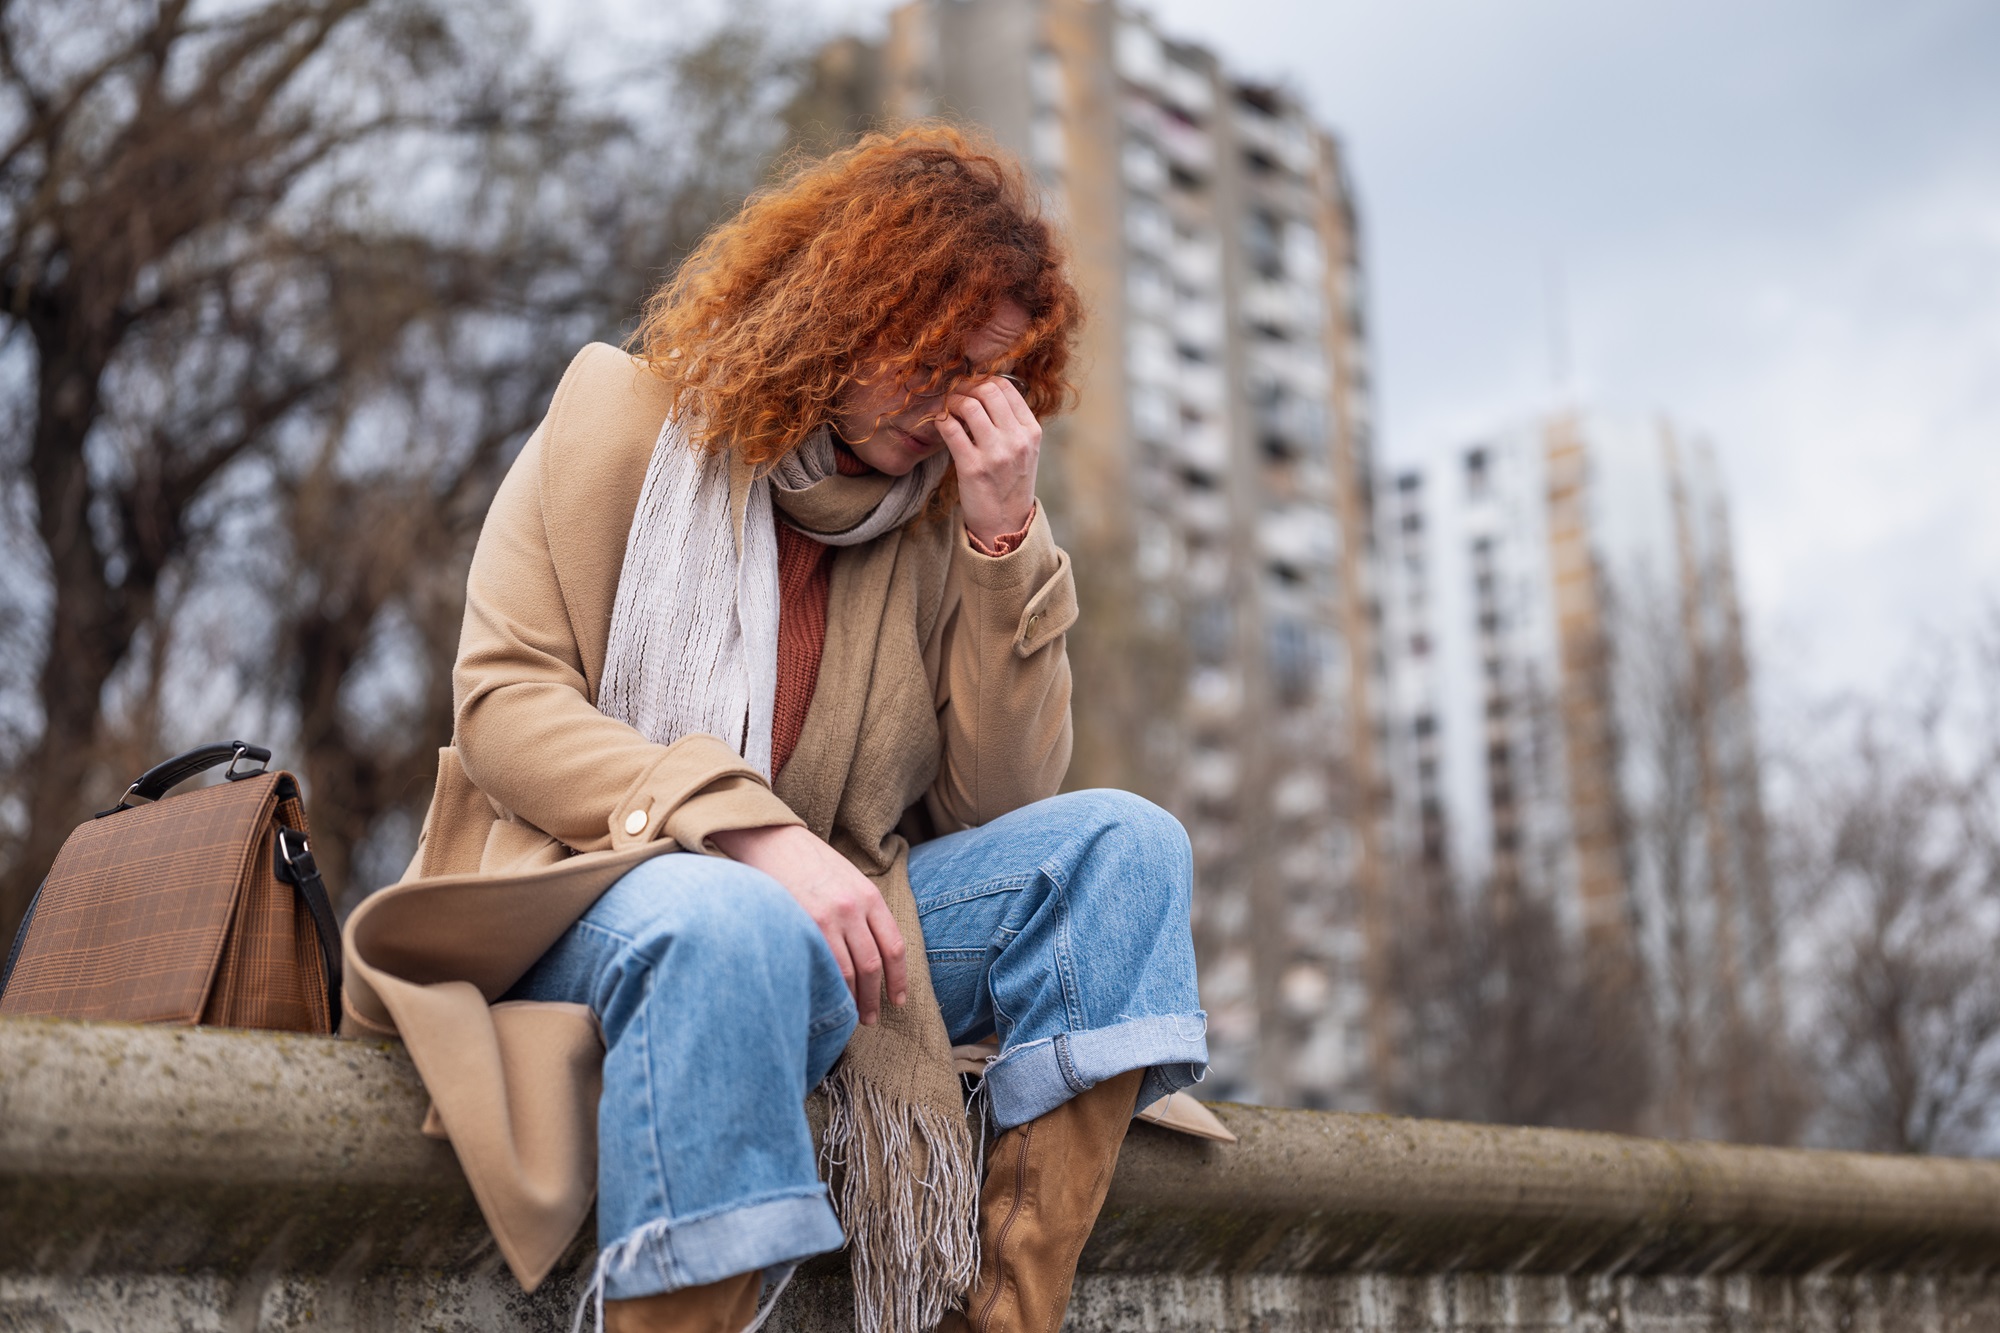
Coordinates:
[1037,1076]
[666,1256]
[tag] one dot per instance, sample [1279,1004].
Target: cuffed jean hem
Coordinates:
[1038,1076]
[666,1256]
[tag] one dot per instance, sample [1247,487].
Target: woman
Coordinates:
[762,706]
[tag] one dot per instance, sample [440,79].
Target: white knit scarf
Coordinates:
[694,627]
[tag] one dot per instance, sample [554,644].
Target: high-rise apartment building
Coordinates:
[1571,705]
[1213,486]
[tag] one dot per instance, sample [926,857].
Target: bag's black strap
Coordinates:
[20,938]
[294,865]
[156,781]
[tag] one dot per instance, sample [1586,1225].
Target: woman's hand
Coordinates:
[843,903]
[996,444]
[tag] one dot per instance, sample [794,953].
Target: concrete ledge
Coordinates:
[1310,1192]
[134,1150]
[141,1155]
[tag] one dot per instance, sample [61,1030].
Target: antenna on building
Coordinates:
[1556,294]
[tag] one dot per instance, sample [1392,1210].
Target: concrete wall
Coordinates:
[201,1180]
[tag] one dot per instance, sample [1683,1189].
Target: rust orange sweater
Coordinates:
[805,582]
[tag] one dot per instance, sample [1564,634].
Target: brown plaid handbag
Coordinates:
[204,908]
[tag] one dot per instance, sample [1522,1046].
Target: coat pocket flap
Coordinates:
[1050,612]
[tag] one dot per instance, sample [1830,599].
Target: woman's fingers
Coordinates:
[997,396]
[1017,400]
[996,419]
[889,941]
[838,945]
[857,925]
[867,969]
[978,422]
[957,440]
[995,445]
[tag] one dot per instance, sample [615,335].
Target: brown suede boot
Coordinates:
[1045,1182]
[727,1306]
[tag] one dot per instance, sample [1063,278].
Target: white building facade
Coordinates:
[1571,703]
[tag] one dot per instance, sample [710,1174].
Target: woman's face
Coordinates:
[892,435]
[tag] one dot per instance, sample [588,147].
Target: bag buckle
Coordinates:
[258,756]
[293,859]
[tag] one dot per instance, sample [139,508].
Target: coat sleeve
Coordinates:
[527,731]
[999,660]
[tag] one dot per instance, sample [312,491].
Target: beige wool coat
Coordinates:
[952,719]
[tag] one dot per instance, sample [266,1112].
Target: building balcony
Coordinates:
[1203,512]
[1291,307]
[1281,139]
[1197,264]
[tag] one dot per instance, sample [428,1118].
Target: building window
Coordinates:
[1264,244]
[1294,660]
[1258,98]
[1210,628]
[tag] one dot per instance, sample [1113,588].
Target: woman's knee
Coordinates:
[1145,839]
[1133,822]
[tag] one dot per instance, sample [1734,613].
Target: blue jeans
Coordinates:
[1062,927]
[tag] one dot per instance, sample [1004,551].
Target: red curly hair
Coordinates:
[872,264]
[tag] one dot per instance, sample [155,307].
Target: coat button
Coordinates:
[635,823]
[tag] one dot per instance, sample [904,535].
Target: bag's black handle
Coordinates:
[156,781]
[295,866]
[20,938]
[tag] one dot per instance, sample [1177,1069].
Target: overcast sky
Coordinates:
[1777,221]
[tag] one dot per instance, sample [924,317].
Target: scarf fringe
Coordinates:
[907,1187]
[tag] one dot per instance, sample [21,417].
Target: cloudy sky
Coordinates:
[1777,221]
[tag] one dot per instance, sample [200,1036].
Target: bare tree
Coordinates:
[1896,886]
[284,283]
[1511,1018]
[1699,876]
[1667,1019]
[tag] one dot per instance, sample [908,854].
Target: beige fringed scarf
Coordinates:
[906,1172]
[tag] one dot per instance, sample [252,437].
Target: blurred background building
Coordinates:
[1214,484]
[1571,698]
